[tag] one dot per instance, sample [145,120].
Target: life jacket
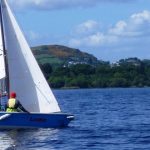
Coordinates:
[12,105]
[11,110]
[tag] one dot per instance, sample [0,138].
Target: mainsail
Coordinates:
[2,65]
[25,76]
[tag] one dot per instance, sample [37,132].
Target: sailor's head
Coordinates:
[12,95]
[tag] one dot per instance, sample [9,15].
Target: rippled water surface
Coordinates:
[105,119]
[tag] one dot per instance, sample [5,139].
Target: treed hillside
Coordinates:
[57,55]
[65,67]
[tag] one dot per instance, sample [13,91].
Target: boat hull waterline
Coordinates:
[34,120]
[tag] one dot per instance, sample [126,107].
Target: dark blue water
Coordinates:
[106,119]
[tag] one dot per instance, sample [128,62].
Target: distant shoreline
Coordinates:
[74,88]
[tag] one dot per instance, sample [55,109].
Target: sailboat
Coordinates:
[20,72]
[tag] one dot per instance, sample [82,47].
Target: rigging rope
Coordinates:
[42,93]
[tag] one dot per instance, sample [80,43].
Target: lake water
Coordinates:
[105,119]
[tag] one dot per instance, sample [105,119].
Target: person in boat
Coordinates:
[13,105]
[3,101]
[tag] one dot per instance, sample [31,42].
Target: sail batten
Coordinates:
[25,76]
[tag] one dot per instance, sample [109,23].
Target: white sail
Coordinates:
[25,76]
[2,65]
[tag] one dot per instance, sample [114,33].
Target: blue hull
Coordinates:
[34,120]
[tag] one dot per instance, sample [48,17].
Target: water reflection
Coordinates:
[5,141]
[27,139]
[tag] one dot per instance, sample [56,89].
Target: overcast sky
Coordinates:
[108,29]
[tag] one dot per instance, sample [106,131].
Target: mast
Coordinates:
[5,52]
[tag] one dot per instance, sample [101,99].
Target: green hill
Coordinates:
[58,55]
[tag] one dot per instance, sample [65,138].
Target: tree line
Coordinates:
[130,72]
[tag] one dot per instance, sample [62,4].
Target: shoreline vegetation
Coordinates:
[131,72]
[70,68]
